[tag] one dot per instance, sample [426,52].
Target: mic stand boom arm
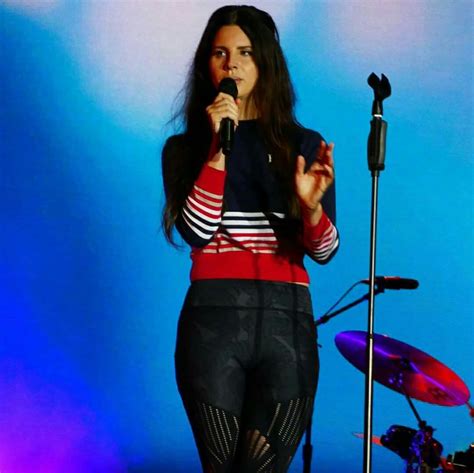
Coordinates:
[326,318]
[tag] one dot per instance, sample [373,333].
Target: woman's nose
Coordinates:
[231,62]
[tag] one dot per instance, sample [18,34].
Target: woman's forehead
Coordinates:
[231,35]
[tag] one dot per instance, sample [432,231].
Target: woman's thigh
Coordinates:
[212,351]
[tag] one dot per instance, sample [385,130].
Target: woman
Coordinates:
[246,355]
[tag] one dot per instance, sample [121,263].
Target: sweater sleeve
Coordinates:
[201,214]
[321,241]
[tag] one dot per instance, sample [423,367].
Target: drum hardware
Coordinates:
[461,462]
[418,448]
[375,439]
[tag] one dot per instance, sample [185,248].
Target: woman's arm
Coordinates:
[200,211]
[316,192]
[321,240]
[200,215]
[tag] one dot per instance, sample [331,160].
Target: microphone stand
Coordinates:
[376,162]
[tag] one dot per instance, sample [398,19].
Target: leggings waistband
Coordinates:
[249,294]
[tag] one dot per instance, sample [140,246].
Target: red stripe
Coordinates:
[199,195]
[211,180]
[246,265]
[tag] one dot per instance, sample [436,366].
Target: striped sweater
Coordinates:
[236,220]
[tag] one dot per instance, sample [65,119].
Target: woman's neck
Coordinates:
[248,110]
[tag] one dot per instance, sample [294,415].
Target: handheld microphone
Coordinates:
[226,131]
[393,282]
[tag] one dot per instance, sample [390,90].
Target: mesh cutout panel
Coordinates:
[216,433]
[272,451]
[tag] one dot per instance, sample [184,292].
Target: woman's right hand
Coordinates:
[224,106]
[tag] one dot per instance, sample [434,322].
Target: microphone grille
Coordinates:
[228,86]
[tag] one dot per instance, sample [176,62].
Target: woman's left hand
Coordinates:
[311,185]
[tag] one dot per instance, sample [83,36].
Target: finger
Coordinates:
[222,99]
[217,125]
[330,154]
[223,96]
[217,113]
[321,150]
[300,164]
[329,171]
[320,169]
[225,109]
[223,105]
[325,152]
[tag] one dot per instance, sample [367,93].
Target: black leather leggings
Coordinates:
[247,369]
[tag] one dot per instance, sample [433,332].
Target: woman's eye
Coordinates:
[247,52]
[218,53]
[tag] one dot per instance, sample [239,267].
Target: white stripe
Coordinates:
[253,214]
[331,229]
[256,245]
[325,241]
[202,207]
[245,238]
[223,250]
[234,231]
[192,211]
[209,194]
[324,254]
[321,256]
[217,205]
[245,222]
[198,232]
[318,244]
[199,223]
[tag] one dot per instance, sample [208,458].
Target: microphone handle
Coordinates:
[227,135]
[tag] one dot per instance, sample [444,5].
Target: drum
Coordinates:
[413,445]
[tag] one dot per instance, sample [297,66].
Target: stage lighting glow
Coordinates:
[45,429]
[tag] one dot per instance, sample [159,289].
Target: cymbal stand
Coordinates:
[471,410]
[423,439]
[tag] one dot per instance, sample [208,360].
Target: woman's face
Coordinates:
[232,56]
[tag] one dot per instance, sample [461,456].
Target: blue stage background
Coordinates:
[90,291]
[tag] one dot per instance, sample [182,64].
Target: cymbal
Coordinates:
[405,369]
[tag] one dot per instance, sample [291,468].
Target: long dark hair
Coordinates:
[273,95]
